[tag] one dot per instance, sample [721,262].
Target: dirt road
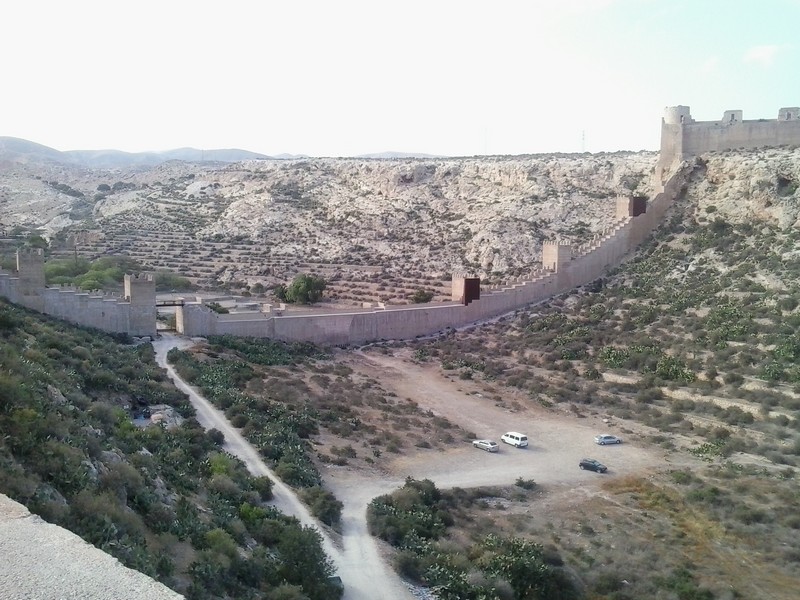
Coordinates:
[358,562]
[557,443]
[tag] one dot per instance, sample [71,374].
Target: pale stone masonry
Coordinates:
[682,137]
[564,268]
[134,313]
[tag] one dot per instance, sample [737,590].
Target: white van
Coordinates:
[515,439]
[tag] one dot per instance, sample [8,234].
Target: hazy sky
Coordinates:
[345,77]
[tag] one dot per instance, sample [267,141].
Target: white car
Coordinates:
[604,439]
[520,440]
[487,445]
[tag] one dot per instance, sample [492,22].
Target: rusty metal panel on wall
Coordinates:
[472,289]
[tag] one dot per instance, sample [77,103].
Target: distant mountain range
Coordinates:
[17,148]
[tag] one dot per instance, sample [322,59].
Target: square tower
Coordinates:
[631,206]
[732,117]
[140,292]
[30,271]
[466,289]
[140,288]
[555,255]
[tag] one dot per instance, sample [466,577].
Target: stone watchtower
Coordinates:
[630,206]
[30,271]
[555,255]
[672,128]
[140,292]
[465,289]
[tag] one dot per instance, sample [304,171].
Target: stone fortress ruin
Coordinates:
[563,266]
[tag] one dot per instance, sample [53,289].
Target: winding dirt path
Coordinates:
[358,563]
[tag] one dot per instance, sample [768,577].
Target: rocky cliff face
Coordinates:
[753,186]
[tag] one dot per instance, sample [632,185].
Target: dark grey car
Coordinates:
[591,464]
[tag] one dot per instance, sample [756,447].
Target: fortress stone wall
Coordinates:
[563,268]
[134,313]
[682,137]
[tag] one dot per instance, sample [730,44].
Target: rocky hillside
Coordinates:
[488,215]
[413,221]
[750,187]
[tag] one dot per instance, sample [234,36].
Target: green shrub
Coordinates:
[304,289]
[323,505]
[421,297]
[525,484]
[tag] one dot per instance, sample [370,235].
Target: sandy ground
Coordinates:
[557,443]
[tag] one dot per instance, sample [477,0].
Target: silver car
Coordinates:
[487,445]
[604,439]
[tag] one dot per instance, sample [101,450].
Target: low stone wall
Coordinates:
[41,560]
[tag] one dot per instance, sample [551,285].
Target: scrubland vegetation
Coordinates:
[418,520]
[287,399]
[166,501]
[106,273]
[696,337]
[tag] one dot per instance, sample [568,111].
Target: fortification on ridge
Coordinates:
[682,137]
[563,266]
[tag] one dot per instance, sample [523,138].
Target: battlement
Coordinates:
[140,289]
[683,137]
[556,254]
[677,115]
[134,314]
[31,252]
[681,115]
[140,277]
[30,259]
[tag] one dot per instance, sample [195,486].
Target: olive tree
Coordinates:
[304,289]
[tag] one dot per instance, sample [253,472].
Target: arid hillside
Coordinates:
[377,230]
[264,221]
[689,351]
